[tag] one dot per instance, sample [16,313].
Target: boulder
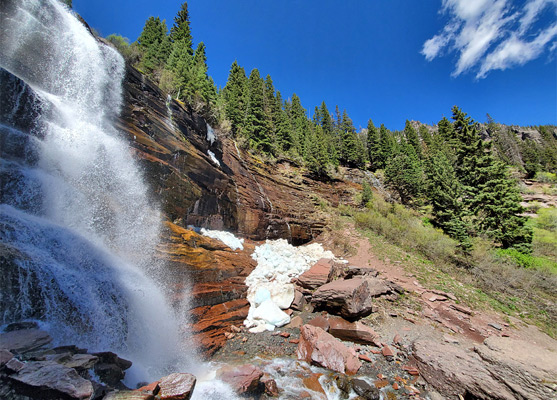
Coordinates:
[50,380]
[321,348]
[177,386]
[353,331]
[527,369]
[318,275]
[78,361]
[244,379]
[271,388]
[456,372]
[349,298]
[378,287]
[110,368]
[365,390]
[22,341]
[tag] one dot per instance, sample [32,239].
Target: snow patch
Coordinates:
[269,287]
[226,237]
[213,158]
[211,137]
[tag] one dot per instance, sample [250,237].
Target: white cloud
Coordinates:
[493,34]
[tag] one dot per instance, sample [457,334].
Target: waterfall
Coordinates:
[77,228]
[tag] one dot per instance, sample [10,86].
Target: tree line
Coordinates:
[461,177]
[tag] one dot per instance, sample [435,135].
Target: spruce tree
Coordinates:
[300,123]
[154,45]
[426,137]
[181,31]
[284,136]
[257,128]
[352,148]
[412,138]
[386,146]
[373,145]
[403,172]
[236,95]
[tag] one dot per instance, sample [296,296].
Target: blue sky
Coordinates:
[386,60]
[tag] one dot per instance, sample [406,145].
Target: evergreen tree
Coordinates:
[445,195]
[373,145]
[236,95]
[316,151]
[200,89]
[300,123]
[154,45]
[403,172]
[412,138]
[181,31]
[352,148]
[284,136]
[386,146]
[257,127]
[426,137]
[327,124]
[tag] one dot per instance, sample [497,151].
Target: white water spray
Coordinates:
[75,211]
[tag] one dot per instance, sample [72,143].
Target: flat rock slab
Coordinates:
[244,379]
[455,372]
[323,349]
[353,331]
[318,275]
[21,341]
[50,380]
[129,395]
[177,386]
[526,368]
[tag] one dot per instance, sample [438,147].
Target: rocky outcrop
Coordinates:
[500,369]
[320,348]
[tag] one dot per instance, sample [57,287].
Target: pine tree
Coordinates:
[236,95]
[386,146]
[373,145]
[181,31]
[154,45]
[284,136]
[300,123]
[445,195]
[352,148]
[412,138]
[257,127]
[403,172]
[427,140]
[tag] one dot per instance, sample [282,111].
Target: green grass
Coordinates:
[523,286]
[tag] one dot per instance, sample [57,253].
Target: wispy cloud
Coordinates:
[494,34]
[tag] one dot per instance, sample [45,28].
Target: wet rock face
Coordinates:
[244,379]
[177,386]
[242,194]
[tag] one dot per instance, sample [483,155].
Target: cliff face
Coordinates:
[241,194]
[238,193]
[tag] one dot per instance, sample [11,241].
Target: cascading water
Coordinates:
[77,230]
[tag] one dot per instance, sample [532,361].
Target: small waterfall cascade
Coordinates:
[77,228]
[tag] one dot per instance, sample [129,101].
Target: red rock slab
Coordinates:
[244,379]
[177,386]
[348,298]
[353,331]
[318,275]
[387,352]
[152,388]
[364,357]
[320,322]
[320,348]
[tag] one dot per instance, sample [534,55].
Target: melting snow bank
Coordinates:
[226,237]
[213,158]
[269,287]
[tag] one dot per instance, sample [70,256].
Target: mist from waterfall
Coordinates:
[76,214]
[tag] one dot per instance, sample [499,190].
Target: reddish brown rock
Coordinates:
[129,395]
[397,339]
[177,386]
[353,331]
[364,357]
[387,352]
[318,275]
[320,322]
[299,301]
[312,383]
[320,348]
[244,379]
[395,386]
[348,298]
[48,379]
[285,334]
[152,388]
[271,388]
